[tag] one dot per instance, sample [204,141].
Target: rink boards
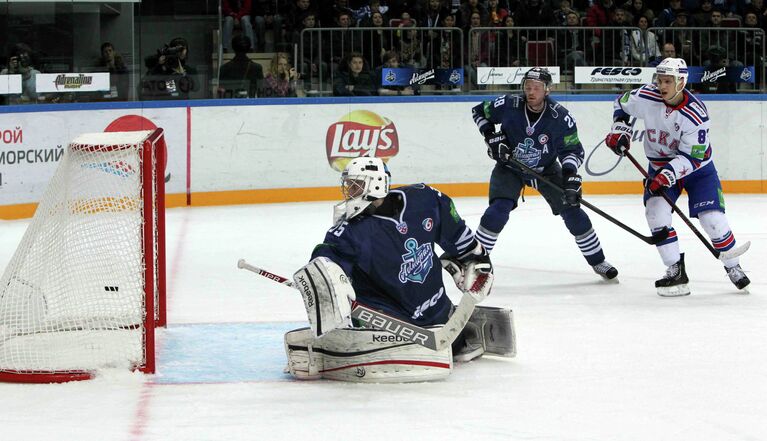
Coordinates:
[283,150]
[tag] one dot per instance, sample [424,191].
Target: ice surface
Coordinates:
[596,361]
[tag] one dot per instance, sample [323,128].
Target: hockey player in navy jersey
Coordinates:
[541,134]
[678,147]
[383,241]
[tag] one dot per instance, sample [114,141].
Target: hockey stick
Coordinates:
[657,237]
[721,255]
[437,339]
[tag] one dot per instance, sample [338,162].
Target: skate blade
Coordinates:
[674,291]
[613,281]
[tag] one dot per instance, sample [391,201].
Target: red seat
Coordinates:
[540,53]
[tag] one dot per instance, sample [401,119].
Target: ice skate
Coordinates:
[737,276]
[606,270]
[674,283]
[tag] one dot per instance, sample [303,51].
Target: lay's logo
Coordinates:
[360,133]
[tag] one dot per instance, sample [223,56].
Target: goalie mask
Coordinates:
[363,181]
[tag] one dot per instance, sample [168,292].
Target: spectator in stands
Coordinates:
[560,15]
[667,50]
[534,13]
[752,42]
[366,14]
[638,8]
[313,61]
[377,42]
[20,63]
[391,60]
[294,23]
[716,36]
[267,15]
[111,61]
[496,14]
[475,48]
[281,79]
[758,8]
[344,39]
[329,15]
[399,7]
[573,44]
[352,79]
[616,43]
[168,75]
[240,77]
[702,16]
[236,13]
[668,15]
[432,17]
[644,45]
[685,40]
[450,43]
[600,14]
[469,8]
[409,44]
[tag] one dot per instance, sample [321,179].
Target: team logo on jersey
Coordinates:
[530,130]
[543,139]
[416,263]
[428,224]
[526,153]
[402,227]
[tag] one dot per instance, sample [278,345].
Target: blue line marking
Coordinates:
[223,353]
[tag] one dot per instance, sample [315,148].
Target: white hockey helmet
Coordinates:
[363,181]
[675,67]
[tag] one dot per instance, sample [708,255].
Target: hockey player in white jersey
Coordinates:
[678,148]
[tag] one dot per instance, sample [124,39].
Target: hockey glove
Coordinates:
[471,272]
[497,146]
[619,138]
[572,188]
[663,179]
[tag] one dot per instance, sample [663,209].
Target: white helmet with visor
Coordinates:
[363,181]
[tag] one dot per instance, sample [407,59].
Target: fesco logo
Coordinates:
[610,71]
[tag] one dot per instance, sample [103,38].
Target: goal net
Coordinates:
[85,287]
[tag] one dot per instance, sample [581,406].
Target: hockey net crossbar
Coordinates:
[86,286]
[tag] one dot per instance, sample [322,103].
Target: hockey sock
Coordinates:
[658,214]
[579,225]
[715,224]
[493,220]
[486,238]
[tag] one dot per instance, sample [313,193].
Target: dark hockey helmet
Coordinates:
[538,74]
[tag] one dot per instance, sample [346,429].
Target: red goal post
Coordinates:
[86,286]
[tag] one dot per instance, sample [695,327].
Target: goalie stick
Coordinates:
[721,255]
[435,339]
[657,237]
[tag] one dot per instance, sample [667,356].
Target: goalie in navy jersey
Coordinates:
[679,151]
[539,133]
[383,242]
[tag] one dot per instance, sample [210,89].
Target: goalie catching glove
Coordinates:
[472,272]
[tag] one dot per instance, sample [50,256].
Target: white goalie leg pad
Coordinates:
[364,356]
[303,362]
[327,294]
[494,330]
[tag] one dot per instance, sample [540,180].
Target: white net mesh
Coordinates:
[72,297]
